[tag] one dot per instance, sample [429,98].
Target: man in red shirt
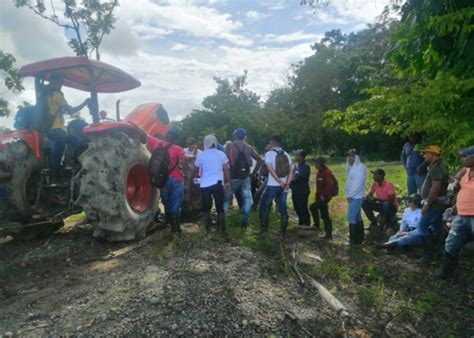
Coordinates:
[172,192]
[381,198]
[324,189]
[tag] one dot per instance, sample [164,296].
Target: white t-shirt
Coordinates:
[270,158]
[189,153]
[410,219]
[211,162]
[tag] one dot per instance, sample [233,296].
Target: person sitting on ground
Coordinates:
[278,163]
[462,229]
[240,155]
[300,187]
[381,198]
[324,190]
[408,234]
[354,193]
[191,151]
[214,179]
[57,106]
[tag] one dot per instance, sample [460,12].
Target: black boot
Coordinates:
[207,221]
[264,219]
[352,234]
[221,223]
[283,225]
[327,229]
[450,265]
[360,232]
[174,224]
[427,243]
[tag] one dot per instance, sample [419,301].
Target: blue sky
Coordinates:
[176,47]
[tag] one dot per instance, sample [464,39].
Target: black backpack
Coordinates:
[241,167]
[158,167]
[282,164]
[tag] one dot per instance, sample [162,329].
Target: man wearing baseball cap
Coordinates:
[240,156]
[381,198]
[462,229]
[435,201]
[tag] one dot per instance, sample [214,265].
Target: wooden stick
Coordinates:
[329,297]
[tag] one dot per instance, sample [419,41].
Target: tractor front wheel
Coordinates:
[115,190]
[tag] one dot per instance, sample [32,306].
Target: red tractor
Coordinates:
[107,173]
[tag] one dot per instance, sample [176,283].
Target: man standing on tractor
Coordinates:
[57,106]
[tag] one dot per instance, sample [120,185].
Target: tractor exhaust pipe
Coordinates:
[117,109]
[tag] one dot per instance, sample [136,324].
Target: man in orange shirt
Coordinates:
[462,229]
[381,198]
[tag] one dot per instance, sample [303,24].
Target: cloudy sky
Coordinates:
[176,47]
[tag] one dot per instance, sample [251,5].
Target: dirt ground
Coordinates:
[198,285]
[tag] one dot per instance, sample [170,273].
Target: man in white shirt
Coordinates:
[355,192]
[214,172]
[280,175]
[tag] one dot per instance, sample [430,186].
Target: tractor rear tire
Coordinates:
[22,189]
[115,190]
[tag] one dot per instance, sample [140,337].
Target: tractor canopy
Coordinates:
[83,74]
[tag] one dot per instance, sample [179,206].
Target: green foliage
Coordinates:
[94,18]
[372,297]
[10,79]
[432,53]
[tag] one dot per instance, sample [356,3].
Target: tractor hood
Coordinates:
[83,74]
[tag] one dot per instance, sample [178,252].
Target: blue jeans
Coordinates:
[243,189]
[433,220]
[414,183]
[413,238]
[354,214]
[462,231]
[269,195]
[58,143]
[172,196]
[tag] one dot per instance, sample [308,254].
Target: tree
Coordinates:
[94,18]
[432,51]
[11,80]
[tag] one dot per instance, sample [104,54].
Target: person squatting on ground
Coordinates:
[172,192]
[214,178]
[240,155]
[462,229]
[381,198]
[278,163]
[300,187]
[324,194]
[435,202]
[355,189]
[57,106]
[412,159]
[408,235]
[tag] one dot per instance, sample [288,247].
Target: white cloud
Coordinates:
[292,37]
[254,15]
[179,46]
[364,11]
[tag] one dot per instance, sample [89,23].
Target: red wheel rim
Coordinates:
[139,189]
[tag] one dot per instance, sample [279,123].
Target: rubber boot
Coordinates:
[264,219]
[283,225]
[327,229]
[207,221]
[174,224]
[360,232]
[450,265]
[427,243]
[352,234]
[178,222]
[221,223]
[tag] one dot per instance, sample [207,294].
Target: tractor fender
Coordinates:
[31,138]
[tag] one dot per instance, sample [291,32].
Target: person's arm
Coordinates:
[370,194]
[328,185]
[272,172]
[392,195]
[403,157]
[257,158]
[432,196]
[226,176]
[72,110]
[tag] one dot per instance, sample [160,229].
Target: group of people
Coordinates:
[225,172]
